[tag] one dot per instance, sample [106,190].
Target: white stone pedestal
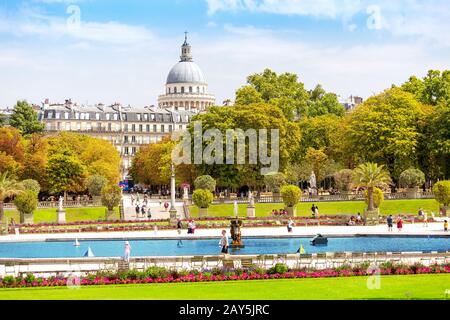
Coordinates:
[251,212]
[61,216]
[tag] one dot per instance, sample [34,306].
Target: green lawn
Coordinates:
[72,214]
[391,287]
[326,208]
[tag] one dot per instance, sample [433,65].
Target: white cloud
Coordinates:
[428,19]
[33,23]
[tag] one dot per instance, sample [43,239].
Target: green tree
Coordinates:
[274,181]
[283,91]
[8,188]
[385,129]
[412,178]
[25,119]
[111,197]
[344,180]
[65,172]
[95,184]
[31,185]
[205,182]
[291,195]
[322,103]
[370,175]
[433,89]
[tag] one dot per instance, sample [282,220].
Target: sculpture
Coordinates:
[60,205]
[236,225]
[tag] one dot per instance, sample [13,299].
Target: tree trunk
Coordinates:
[1,211]
[370,195]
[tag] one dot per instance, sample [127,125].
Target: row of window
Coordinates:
[186,90]
[68,126]
[114,116]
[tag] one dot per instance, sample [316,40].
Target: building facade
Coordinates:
[126,128]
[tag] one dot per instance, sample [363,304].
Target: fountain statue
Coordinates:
[236,225]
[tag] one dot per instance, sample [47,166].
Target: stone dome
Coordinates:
[186,72]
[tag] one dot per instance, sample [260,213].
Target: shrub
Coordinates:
[26,202]
[157,272]
[279,268]
[31,185]
[291,195]
[205,182]
[30,278]
[412,178]
[441,192]
[202,198]
[111,197]
[378,197]
[95,184]
[9,281]
[274,181]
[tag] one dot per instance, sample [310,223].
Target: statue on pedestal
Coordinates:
[60,205]
[61,213]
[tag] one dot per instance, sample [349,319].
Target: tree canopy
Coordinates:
[25,119]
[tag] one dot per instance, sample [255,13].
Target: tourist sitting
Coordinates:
[190,227]
[13,222]
[275,213]
[358,218]
[352,221]
[290,225]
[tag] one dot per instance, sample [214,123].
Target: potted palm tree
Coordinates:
[371,175]
[9,187]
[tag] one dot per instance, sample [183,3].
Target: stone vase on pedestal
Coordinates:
[26,218]
[371,218]
[292,211]
[203,212]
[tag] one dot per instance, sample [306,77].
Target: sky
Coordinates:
[110,51]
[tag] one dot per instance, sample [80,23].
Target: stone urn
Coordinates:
[26,218]
[202,212]
[411,193]
[292,211]
[371,218]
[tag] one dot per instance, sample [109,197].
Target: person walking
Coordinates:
[399,224]
[138,209]
[143,210]
[132,199]
[313,211]
[127,252]
[189,231]
[149,213]
[390,223]
[316,210]
[290,225]
[224,242]
[179,228]
[425,219]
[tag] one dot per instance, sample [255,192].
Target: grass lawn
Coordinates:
[391,287]
[72,214]
[326,208]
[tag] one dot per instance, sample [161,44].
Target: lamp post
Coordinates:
[173,210]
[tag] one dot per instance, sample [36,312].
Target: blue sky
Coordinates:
[121,51]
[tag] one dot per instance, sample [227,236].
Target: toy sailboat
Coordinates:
[89,253]
[76,243]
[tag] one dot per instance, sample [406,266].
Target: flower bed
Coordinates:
[202,223]
[161,275]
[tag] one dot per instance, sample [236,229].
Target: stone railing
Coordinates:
[324,198]
[55,204]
